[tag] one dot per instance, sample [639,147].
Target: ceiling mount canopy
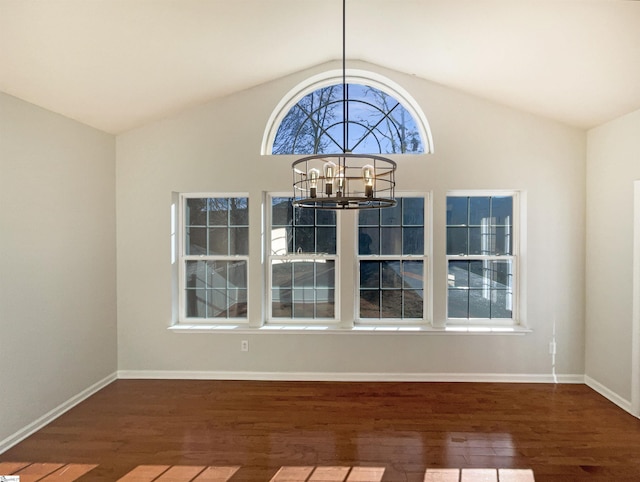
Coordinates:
[346,180]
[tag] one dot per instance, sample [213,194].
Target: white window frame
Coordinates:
[183,258]
[425,257]
[294,257]
[515,257]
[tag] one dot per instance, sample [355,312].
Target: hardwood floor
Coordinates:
[179,430]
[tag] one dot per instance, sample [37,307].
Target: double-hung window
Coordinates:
[214,257]
[392,262]
[482,248]
[302,262]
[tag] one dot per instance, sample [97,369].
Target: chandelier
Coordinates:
[346,180]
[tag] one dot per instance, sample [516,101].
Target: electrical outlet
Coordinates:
[244,345]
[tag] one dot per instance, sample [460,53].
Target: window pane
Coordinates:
[413,241]
[237,306]
[458,274]
[502,210]
[281,211]
[281,274]
[479,210]
[413,303]
[391,241]
[503,240]
[458,303]
[369,217]
[391,276]
[479,304]
[326,240]
[413,274]
[325,303]
[196,303]
[304,217]
[217,303]
[196,241]
[502,274]
[501,304]
[475,241]
[315,124]
[281,241]
[303,303]
[237,274]
[303,274]
[218,241]
[369,241]
[239,241]
[479,274]
[369,304]
[239,211]
[281,306]
[326,274]
[196,214]
[391,304]
[216,274]
[325,217]
[412,211]
[304,240]
[392,216]
[218,212]
[195,275]
[303,289]
[457,242]
[370,274]
[457,211]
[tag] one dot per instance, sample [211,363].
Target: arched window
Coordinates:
[380,118]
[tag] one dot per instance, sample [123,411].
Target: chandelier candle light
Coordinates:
[347,180]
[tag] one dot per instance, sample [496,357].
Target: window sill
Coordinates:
[334,329]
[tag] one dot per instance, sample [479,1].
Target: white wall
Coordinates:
[57,262]
[613,163]
[479,145]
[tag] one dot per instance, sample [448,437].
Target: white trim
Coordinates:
[353,76]
[341,328]
[50,416]
[635,323]
[350,376]
[608,394]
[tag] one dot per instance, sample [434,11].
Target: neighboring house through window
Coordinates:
[392,262]
[214,255]
[482,256]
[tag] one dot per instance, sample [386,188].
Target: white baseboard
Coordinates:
[36,425]
[609,394]
[351,377]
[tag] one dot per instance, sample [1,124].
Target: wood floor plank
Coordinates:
[136,430]
[145,473]
[292,474]
[216,474]
[69,473]
[36,471]
[478,475]
[515,475]
[329,474]
[442,475]
[8,468]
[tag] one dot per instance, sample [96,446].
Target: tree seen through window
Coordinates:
[377,123]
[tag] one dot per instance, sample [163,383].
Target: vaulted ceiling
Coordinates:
[117,64]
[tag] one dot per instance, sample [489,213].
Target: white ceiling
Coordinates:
[117,64]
